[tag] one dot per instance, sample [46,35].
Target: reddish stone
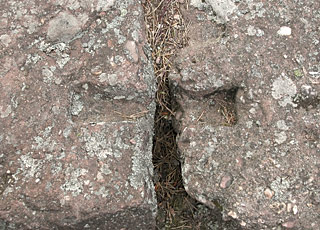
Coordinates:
[76,115]
[247,105]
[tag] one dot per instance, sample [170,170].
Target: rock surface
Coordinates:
[76,115]
[247,111]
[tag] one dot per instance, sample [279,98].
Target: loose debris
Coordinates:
[167,33]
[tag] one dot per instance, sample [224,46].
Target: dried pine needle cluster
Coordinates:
[166,32]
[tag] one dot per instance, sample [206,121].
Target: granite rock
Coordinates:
[247,110]
[76,113]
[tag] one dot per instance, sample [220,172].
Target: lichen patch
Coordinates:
[284,90]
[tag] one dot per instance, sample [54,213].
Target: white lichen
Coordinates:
[5,112]
[281,124]
[281,137]
[284,31]
[284,90]
[73,183]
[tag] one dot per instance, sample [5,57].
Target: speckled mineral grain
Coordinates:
[76,116]
[248,109]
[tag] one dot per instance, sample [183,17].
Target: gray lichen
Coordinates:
[73,183]
[284,90]
[77,105]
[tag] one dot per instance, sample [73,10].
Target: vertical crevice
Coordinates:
[167,33]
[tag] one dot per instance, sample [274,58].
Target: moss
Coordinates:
[298,73]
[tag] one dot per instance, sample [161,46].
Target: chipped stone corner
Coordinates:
[142,169]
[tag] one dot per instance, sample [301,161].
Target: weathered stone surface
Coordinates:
[222,8]
[247,110]
[76,115]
